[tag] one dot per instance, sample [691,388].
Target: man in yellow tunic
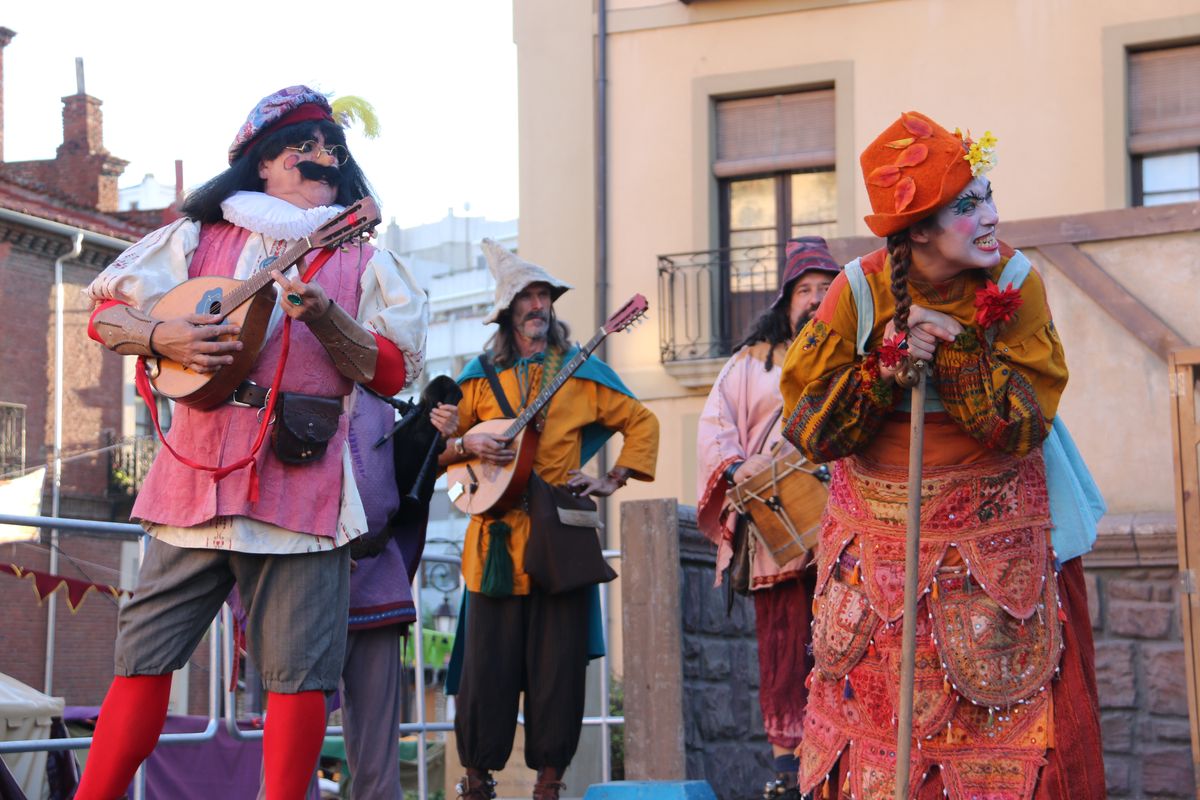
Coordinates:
[520,638]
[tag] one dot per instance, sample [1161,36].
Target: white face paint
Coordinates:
[965,232]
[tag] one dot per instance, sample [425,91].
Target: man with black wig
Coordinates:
[277,531]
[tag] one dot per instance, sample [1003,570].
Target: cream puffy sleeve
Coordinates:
[149,268]
[396,308]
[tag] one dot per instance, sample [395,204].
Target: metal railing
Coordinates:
[707,299]
[129,462]
[221,652]
[12,438]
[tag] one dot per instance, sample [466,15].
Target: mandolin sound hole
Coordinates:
[210,302]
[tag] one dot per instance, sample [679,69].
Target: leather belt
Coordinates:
[251,395]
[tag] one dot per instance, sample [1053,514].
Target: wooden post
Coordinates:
[653,641]
[1185,439]
[912,557]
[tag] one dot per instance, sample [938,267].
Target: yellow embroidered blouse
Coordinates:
[1003,395]
[577,404]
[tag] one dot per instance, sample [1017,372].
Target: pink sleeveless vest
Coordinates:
[300,498]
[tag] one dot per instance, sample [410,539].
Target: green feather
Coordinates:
[350,109]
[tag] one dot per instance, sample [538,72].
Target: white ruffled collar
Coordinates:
[273,217]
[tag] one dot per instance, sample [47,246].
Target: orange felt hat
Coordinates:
[911,170]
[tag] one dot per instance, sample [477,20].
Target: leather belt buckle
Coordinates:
[250,395]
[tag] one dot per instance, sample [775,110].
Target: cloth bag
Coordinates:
[563,552]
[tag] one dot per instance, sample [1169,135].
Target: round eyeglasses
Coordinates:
[339,154]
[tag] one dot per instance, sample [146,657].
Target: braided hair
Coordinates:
[899,247]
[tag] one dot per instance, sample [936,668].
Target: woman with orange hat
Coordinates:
[1005,702]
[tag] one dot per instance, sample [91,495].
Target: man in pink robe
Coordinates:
[738,431]
[221,512]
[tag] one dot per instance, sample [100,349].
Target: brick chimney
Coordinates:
[6,36]
[85,171]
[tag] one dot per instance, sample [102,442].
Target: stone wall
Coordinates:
[1133,600]
[723,730]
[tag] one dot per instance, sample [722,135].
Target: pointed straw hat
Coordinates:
[512,275]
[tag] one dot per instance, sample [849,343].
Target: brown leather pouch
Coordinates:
[304,424]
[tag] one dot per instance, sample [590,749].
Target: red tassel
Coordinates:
[1062,615]
[871,651]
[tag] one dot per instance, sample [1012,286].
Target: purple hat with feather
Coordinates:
[285,107]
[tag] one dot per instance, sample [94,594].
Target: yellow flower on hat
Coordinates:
[981,155]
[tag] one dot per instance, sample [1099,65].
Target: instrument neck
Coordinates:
[252,285]
[562,377]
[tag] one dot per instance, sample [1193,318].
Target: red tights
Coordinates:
[132,717]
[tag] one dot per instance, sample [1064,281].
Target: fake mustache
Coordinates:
[312,171]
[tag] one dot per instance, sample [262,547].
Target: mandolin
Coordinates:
[477,486]
[246,303]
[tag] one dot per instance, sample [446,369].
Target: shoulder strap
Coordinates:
[1015,271]
[489,369]
[864,302]
[767,436]
[1013,275]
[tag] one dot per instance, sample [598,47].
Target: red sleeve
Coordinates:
[389,368]
[91,320]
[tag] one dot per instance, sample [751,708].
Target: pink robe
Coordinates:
[304,498]
[740,415]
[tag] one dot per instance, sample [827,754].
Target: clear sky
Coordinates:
[178,79]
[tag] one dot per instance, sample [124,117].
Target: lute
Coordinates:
[247,303]
[476,486]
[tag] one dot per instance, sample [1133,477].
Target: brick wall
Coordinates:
[92,400]
[93,378]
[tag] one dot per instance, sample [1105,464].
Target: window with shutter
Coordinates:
[1164,124]
[774,165]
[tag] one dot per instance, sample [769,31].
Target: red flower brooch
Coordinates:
[892,351]
[995,305]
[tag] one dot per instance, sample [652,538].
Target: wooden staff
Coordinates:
[908,650]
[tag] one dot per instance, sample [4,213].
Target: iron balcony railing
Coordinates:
[708,299]
[12,439]
[129,461]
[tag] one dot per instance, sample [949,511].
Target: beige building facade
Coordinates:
[1050,79]
[732,125]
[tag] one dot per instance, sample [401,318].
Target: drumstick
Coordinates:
[912,551]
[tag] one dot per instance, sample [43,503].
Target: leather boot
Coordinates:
[477,784]
[548,784]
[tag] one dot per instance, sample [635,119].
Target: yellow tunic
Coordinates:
[1002,397]
[577,404]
